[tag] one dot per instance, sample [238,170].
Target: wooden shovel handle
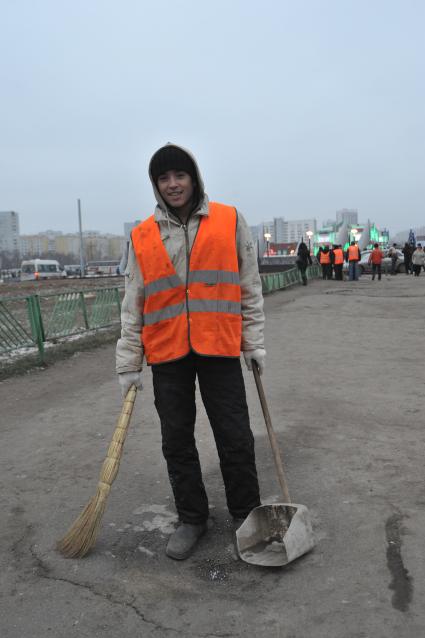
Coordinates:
[272,436]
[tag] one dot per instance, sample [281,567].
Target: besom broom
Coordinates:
[81,536]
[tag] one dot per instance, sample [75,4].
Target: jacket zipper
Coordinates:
[188,254]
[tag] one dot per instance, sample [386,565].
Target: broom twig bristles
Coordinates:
[82,534]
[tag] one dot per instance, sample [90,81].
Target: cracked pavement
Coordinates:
[344,385]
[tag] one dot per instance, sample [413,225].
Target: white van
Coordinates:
[36,269]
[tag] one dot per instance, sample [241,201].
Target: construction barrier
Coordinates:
[279,280]
[28,322]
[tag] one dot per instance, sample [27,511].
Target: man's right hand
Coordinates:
[127,379]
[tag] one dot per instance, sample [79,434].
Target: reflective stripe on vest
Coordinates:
[339,256]
[325,258]
[353,253]
[203,315]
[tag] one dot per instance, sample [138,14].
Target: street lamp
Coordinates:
[309,234]
[355,234]
[267,237]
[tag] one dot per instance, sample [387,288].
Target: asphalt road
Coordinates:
[345,387]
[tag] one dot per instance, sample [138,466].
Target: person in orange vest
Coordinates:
[375,258]
[338,261]
[193,302]
[325,262]
[353,257]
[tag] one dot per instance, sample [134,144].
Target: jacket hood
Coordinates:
[202,195]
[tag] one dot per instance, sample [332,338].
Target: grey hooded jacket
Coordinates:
[129,352]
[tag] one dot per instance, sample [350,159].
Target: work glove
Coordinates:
[258,355]
[127,379]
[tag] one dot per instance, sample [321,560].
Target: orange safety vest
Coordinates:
[376,256]
[202,314]
[353,253]
[325,258]
[338,256]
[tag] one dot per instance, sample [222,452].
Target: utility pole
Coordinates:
[82,265]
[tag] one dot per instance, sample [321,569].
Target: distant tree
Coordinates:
[9,259]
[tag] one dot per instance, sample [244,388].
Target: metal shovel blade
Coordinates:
[274,535]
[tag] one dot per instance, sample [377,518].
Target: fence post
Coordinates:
[84,309]
[37,308]
[117,295]
[34,316]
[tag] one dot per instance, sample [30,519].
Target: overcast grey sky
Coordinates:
[293,109]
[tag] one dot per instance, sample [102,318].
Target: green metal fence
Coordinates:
[31,322]
[28,322]
[279,280]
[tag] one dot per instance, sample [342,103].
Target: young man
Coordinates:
[375,258]
[193,301]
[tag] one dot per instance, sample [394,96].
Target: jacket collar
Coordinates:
[161,215]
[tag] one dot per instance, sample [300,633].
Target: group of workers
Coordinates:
[332,261]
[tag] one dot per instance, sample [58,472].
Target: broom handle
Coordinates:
[120,432]
[272,436]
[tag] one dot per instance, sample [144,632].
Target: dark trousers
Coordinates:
[417,270]
[407,267]
[302,268]
[376,268]
[338,271]
[327,271]
[223,394]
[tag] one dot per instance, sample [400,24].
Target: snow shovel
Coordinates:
[274,535]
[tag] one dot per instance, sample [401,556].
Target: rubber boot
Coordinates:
[182,542]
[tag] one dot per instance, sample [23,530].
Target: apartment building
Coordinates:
[96,245]
[348,215]
[292,230]
[9,232]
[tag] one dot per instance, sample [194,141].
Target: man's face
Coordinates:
[176,188]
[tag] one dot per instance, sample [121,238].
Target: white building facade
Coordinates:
[293,230]
[9,232]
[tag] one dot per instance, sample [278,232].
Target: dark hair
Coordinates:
[376,245]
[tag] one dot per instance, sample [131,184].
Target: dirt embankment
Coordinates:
[25,288]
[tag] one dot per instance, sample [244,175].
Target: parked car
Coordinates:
[72,270]
[365,268]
